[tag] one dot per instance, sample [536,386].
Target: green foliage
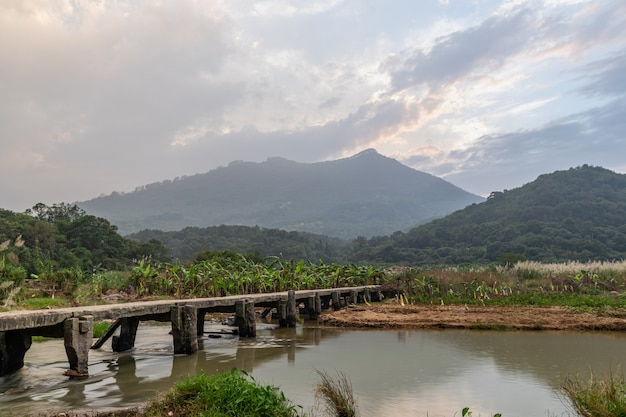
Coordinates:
[63,236]
[554,218]
[34,303]
[598,397]
[227,274]
[234,394]
[203,243]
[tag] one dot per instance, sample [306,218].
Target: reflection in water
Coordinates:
[393,372]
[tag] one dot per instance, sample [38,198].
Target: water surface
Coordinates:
[393,372]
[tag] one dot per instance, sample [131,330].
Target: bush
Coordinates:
[234,394]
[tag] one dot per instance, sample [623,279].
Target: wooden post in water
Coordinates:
[184,329]
[292,311]
[128,332]
[244,318]
[13,347]
[78,335]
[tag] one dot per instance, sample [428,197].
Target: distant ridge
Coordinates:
[367,194]
[573,215]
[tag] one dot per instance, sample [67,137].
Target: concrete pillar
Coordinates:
[367,297]
[354,297]
[335,300]
[245,319]
[292,317]
[184,329]
[13,347]
[128,332]
[200,328]
[314,306]
[78,336]
[282,313]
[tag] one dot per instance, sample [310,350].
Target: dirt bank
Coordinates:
[391,315]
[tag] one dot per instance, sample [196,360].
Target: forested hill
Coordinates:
[578,214]
[187,243]
[364,195]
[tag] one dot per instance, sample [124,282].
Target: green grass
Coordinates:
[98,330]
[43,302]
[233,394]
[598,397]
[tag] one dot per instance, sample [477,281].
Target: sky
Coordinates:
[102,96]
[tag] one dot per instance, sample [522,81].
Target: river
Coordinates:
[393,372]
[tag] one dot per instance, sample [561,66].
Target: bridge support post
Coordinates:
[335,300]
[281,309]
[128,332]
[367,297]
[184,329]
[292,311]
[245,319]
[314,306]
[354,297]
[78,336]
[13,347]
[201,316]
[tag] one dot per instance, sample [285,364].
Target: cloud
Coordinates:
[464,53]
[104,96]
[592,137]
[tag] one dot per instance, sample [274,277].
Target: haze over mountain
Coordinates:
[365,195]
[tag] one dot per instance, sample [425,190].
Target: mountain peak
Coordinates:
[366,152]
[368,194]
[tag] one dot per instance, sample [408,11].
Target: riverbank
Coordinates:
[391,315]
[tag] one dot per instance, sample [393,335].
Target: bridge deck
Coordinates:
[31,319]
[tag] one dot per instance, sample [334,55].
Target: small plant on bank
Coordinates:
[598,397]
[336,393]
[233,394]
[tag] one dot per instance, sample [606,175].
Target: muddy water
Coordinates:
[393,372]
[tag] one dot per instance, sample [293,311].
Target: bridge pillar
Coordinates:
[245,319]
[128,332]
[292,311]
[200,325]
[78,336]
[184,329]
[281,309]
[354,297]
[314,306]
[335,300]
[13,347]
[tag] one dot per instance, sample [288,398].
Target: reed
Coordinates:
[336,393]
[597,397]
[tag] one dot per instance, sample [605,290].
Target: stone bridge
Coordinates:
[75,325]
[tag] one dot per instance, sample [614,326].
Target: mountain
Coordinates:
[577,214]
[365,195]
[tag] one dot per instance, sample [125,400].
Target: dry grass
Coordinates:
[336,393]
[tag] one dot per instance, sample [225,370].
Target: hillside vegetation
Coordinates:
[365,195]
[577,214]
[47,239]
[187,243]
